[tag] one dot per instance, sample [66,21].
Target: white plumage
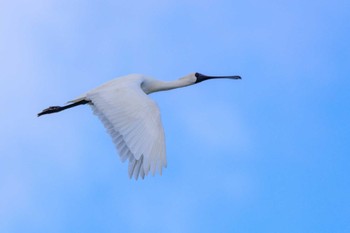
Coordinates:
[132,118]
[133,121]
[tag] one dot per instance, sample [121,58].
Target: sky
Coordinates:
[268,153]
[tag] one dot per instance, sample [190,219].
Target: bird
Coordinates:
[132,118]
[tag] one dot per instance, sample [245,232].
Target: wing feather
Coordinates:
[133,121]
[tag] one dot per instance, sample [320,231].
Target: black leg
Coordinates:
[54,109]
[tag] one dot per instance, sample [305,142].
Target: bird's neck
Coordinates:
[155,85]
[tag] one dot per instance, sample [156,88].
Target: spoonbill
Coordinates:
[132,118]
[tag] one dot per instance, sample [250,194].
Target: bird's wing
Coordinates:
[133,121]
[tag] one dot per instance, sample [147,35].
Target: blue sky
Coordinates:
[268,153]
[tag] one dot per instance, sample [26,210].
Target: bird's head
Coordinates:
[201,77]
[150,85]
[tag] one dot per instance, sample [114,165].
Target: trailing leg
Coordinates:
[54,109]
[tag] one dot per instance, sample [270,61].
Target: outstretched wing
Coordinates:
[133,121]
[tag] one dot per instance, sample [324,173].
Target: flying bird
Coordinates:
[132,118]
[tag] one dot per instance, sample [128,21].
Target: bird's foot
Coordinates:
[49,110]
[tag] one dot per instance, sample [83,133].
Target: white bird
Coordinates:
[132,118]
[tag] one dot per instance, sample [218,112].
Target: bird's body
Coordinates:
[133,121]
[132,118]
